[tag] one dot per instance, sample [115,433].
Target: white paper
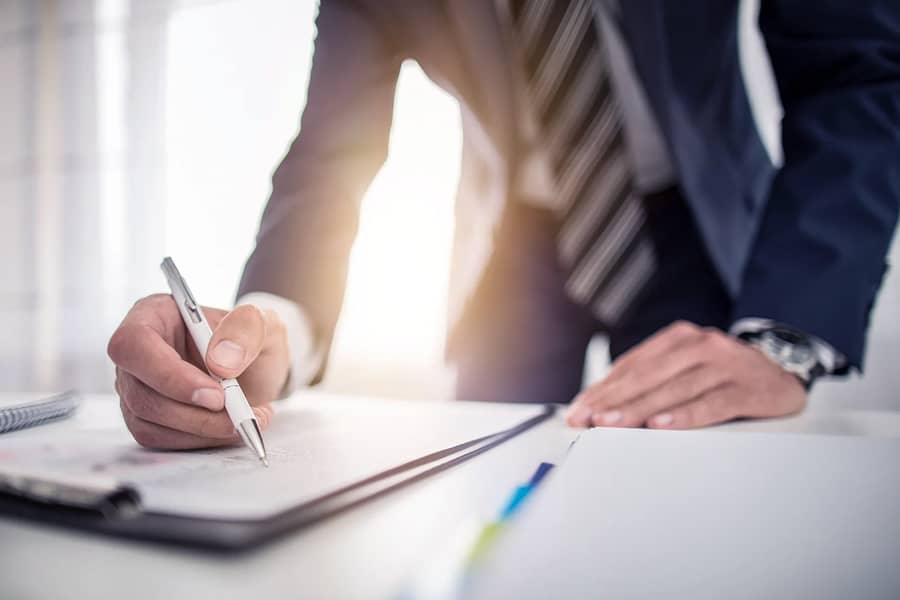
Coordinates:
[706,514]
[313,449]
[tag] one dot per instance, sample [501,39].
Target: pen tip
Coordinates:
[265,462]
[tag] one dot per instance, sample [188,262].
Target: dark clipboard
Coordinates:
[240,535]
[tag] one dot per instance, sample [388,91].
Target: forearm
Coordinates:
[820,252]
[308,226]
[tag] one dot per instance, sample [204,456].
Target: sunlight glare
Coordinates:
[392,328]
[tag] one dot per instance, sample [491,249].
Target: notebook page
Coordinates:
[313,449]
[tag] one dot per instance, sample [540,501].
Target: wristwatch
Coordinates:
[804,356]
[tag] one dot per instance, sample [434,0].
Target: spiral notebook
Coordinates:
[18,412]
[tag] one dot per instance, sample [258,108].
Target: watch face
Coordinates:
[788,336]
[797,354]
[789,348]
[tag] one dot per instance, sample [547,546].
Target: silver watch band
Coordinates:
[830,359]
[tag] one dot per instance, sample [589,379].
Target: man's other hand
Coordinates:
[687,376]
[167,397]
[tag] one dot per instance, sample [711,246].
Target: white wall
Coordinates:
[125,123]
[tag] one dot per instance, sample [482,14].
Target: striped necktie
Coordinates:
[603,240]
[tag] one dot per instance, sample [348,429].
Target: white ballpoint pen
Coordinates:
[235,401]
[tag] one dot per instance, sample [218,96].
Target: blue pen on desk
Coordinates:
[523,491]
[490,532]
[446,575]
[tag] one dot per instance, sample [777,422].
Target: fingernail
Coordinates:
[228,354]
[261,416]
[663,420]
[611,417]
[208,398]
[578,415]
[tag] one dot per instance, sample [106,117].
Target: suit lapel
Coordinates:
[482,46]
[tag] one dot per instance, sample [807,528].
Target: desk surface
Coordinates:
[366,553]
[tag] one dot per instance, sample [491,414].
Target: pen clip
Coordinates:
[177,281]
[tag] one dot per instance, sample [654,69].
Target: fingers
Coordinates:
[153,436]
[167,398]
[668,354]
[149,405]
[689,377]
[683,388]
[237,341]
[659,344]
[161,423]
[716,406]
[264,379]
[140,350]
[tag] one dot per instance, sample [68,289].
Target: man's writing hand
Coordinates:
[167,398]
[686,376]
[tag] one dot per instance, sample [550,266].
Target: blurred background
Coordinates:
[132,129]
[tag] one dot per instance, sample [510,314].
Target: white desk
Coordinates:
[365,553]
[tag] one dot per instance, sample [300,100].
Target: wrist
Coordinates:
[304,355]
[798,353]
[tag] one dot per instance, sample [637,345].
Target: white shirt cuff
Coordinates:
[306,357]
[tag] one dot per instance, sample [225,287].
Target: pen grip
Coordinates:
[236,403]
[200,332]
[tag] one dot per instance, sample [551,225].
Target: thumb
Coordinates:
[236,341]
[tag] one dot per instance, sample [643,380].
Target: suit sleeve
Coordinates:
[310,222]
[819,255]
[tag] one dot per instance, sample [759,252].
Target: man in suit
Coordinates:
[611,159]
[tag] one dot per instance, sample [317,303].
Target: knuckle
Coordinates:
[139,404]
[125,339]
[141,432]
[275,326]
[144,435]
[156,301]
[121,342]
[212,425]
[682,327]
[708,340]
[171,381]
[250,313]
[716,337]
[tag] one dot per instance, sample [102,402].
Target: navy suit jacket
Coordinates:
[804,245]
